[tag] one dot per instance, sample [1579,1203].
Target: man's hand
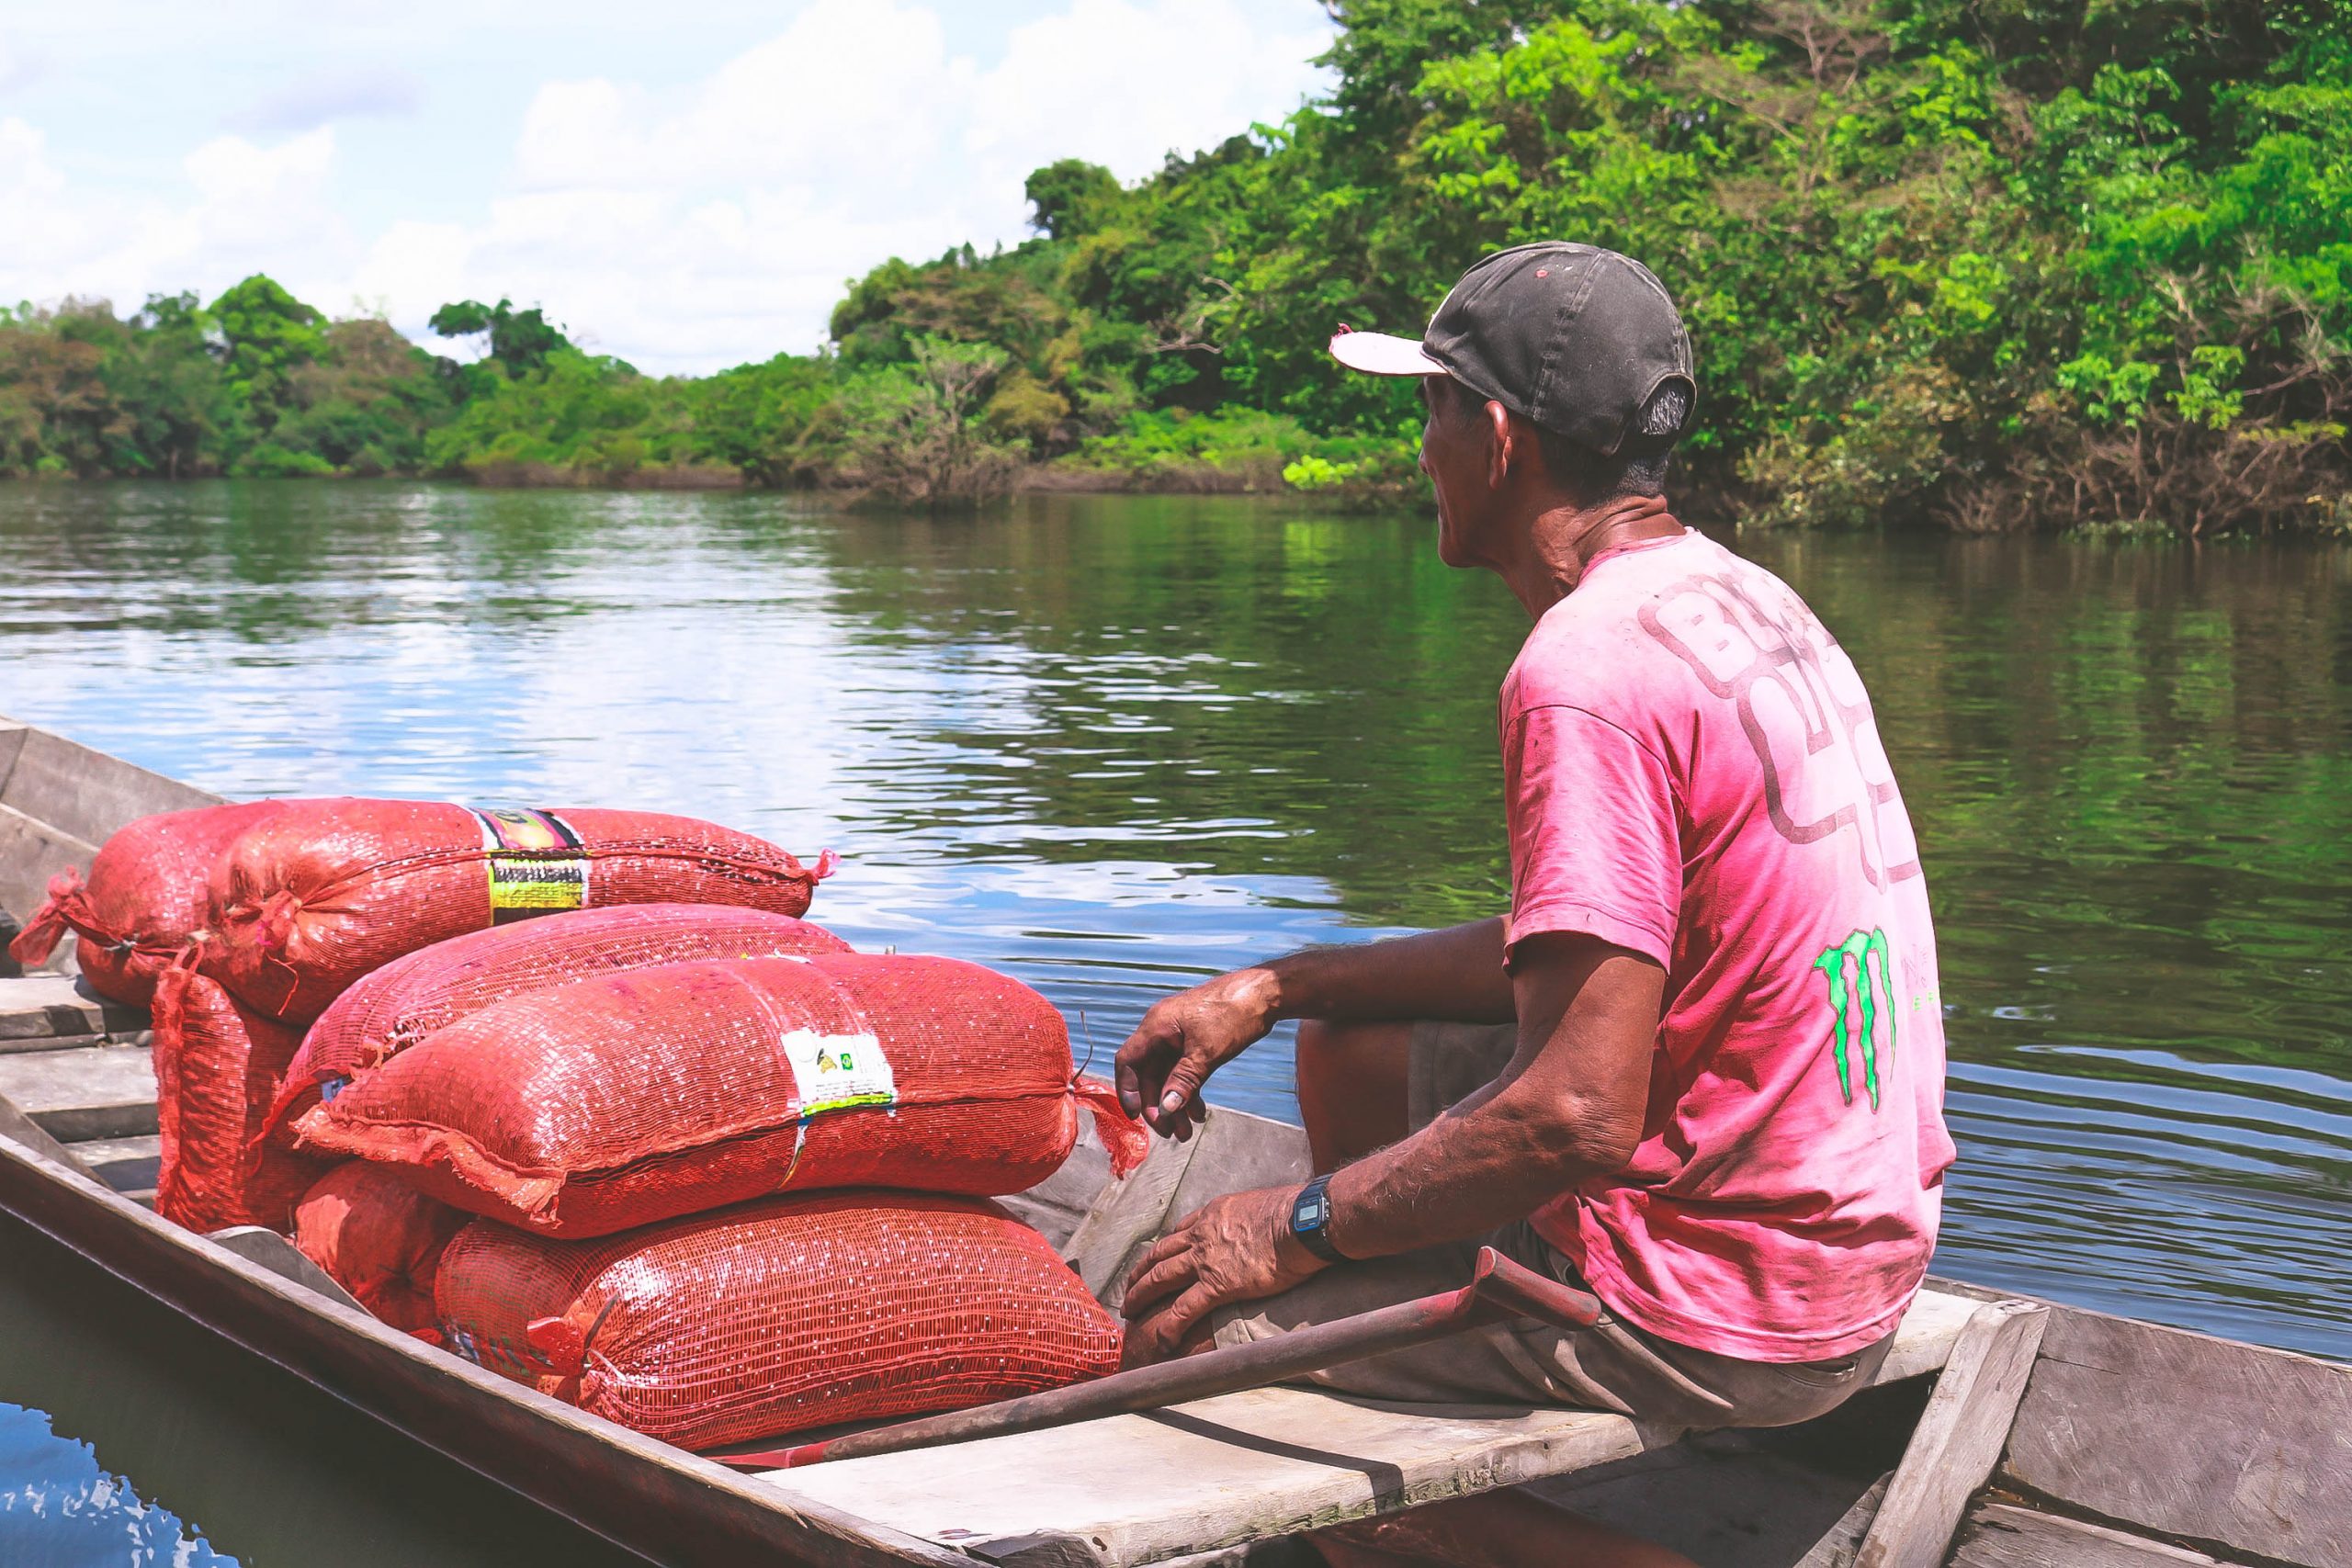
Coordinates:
[1236,1249]
[1186,1037]
[1456,973]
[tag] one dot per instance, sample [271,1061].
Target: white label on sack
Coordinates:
[834,1072]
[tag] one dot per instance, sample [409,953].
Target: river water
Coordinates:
[1115,744]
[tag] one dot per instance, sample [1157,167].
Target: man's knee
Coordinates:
[1352,1087]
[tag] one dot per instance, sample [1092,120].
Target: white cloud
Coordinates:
[48,230]
[26,173]
[348,93]
[253,207]
[688,226]
[1123,83]
[19,67]
[248,192]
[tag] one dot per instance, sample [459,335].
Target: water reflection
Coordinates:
[1115,743]
[60,1509]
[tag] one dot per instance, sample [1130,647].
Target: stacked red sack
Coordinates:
[650,1065]
[381,1239]
[607,1103]
[139,922]
[778,1315]
[240,923]
[378,1236]
[626,1135]
[412,998]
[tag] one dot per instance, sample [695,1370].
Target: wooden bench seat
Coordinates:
[1999,1535]
[84,1092]
[51,1013]
[78,1066]
[1132,1490]
[130,1165]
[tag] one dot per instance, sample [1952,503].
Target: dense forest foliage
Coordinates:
[1987,264]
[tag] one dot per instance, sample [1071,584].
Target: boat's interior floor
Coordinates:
[80,1068]
[1225,1476]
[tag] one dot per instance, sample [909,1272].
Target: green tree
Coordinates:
[521,342]
[1070,198]
[57,414]
[1979,263]
[368,401]
[916,433]
[266,334]
[767,419]
[174,388]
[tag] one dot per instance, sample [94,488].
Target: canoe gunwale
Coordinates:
[642,1495]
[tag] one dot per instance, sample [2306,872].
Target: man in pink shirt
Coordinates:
[1698,1067]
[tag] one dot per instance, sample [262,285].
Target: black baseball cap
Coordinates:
[1577,339]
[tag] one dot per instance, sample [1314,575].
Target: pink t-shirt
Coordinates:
[1693,772]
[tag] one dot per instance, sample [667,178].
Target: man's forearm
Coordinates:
[1486,1162]
[1455,975]
[1568,1108]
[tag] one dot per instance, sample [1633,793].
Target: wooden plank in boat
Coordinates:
[257,1244]
[1838,1545]
[43,1012]
[1139,1489]
[1925,1338]
[2001,1536]
[1136,1489]
[2246,1448]
[89,1091]
[1232,1152]
[31,852]
[1959,1438]
[84,794]
[23,1129]
[127,1165]
[63,1041]
[1056,1205]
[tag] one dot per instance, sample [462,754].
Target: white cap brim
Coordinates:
[1382,354]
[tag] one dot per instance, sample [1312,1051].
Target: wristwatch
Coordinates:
[1310,1220]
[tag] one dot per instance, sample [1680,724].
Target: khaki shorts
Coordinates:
[1611,1366]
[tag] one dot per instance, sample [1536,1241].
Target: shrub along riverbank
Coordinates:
[1967,262]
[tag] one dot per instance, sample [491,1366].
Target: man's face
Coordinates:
[1456,442]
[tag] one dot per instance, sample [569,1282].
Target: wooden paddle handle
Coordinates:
[1499,1290]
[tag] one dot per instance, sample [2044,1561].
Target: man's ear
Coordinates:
[1502,446]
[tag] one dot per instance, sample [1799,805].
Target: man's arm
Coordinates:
[1456,973]
[1569,1107]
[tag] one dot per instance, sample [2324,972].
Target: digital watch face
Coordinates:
[1311,1210]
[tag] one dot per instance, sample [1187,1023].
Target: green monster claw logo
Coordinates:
[1868,986]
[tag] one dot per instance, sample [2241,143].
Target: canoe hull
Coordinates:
[660,1503]
[2176,1436]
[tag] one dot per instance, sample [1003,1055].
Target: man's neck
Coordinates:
[1563,542]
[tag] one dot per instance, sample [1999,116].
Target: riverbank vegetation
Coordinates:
[1978,263]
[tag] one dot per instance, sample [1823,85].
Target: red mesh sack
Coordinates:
[378,1238]
[777,1316]
[148,892]
[327,890]
[217,1067]
[387,1012]
[589,1108]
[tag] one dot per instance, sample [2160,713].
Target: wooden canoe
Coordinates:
[2004,1430]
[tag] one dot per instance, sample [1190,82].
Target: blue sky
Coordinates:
[685,184]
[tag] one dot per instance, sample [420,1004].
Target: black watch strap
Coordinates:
[1310,1220]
